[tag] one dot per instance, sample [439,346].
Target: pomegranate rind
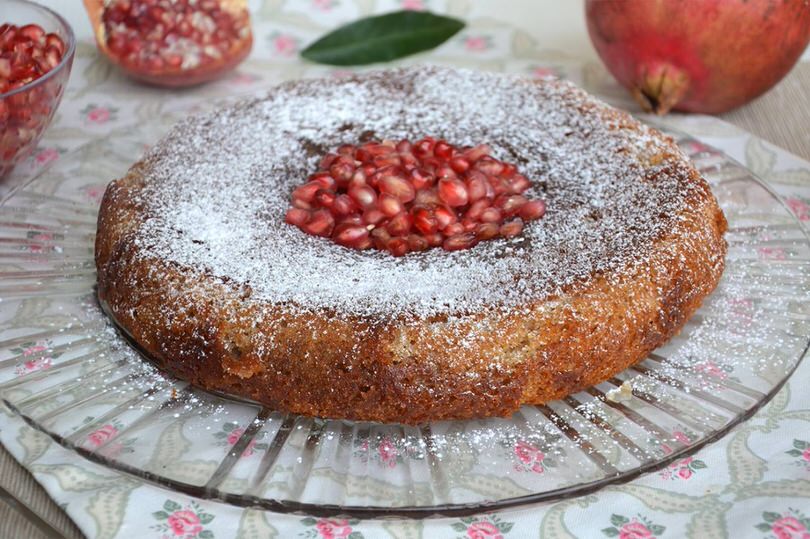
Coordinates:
[706,56]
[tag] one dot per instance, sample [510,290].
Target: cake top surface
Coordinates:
[217,188]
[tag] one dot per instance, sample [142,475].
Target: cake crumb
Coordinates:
[623,393]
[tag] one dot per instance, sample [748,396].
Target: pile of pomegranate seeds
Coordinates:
[26,53]
[158,36]
[404,197]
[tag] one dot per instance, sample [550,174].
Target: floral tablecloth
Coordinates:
[755,482]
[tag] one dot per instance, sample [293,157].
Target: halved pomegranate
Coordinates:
[172,42]
[404,197]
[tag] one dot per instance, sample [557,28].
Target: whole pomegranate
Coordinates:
[705,56]
[172,42]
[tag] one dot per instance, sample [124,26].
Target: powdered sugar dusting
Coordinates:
[218,187]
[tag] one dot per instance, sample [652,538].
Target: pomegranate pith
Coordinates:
[408,197]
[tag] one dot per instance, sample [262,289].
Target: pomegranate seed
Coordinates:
[297,217]
[404,146]
[487,231]
[387,161]
[364,196]
[491,215]
[498,185]
[324,180]
[351,235]
[327,161]
[533,209]
[424,147]
[445,171]
[320,223]
[343,205]
[453,230]
[459,164]
[476,209]
[350,220]
[373,216]
[512,228]
[32,32]
[390,205]
[342,172]
[444,217]
[510,204]
[380,237]
[443,150]
[489,166]
[424,220]
[417,243]
[363,155]
[453,192]
[476,153]
[398,187]
[399,225]
[508,171]
[325,198]
[518,183]
[421,178]
[386,195]
[459,242]
[476,185]
[469,225]
[435,239]
[398,246]
[53,40]
[306,192]
[427,197]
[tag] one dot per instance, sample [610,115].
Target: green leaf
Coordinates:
[160,515]
[205,518]
[794,453]
[383,38]
[657,529]
[771,517]
[618,520]
[763,527]
[697,465]
[206,534]
[610,532]
[355,535]
[505,527]
[799,444]
[228,427]
[171,506]
[309,521]
[459,527]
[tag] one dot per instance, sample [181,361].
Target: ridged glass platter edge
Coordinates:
[68,373]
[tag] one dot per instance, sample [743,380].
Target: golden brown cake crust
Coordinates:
[418,364]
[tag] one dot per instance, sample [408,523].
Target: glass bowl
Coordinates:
[25,112]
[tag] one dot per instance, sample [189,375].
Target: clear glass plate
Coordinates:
[68,373]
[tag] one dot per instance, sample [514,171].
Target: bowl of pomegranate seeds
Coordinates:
[36,54]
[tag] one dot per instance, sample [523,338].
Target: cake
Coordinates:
[197,265]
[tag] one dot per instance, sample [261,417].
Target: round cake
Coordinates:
[196,263]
